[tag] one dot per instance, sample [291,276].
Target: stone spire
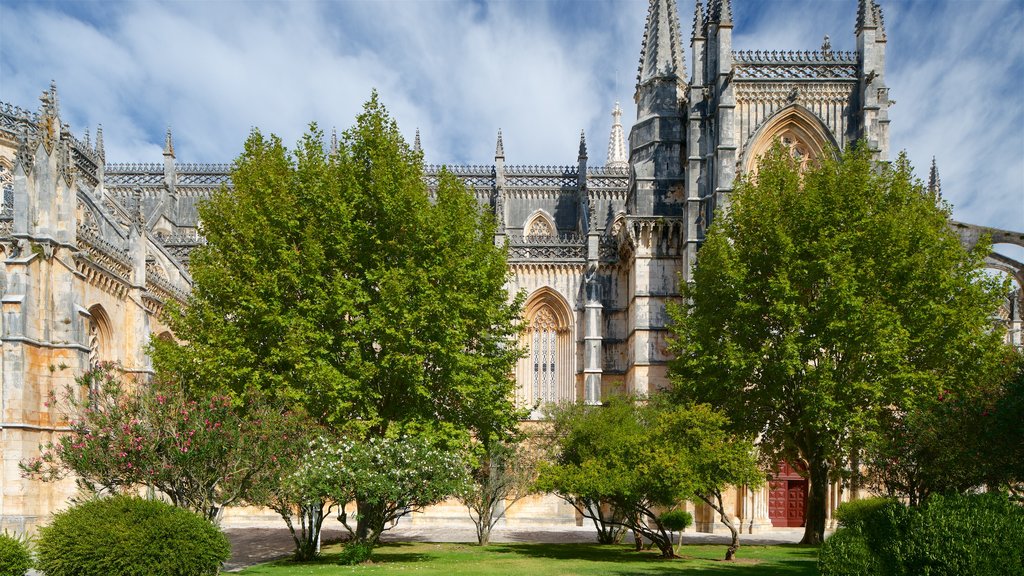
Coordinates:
[934,184]
[583,146]
[659,55]
[499,150]
[334,141]
[698,21]
[617,142]
[169,144]
[866,12]
[416,142]
[99,142]
[720,12]
[877,11]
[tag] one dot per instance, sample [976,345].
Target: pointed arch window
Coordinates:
[546,374]
[539,226]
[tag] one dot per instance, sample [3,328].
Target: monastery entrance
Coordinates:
[787,498]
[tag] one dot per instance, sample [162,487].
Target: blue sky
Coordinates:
[539,70]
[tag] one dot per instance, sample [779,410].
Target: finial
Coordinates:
[826,45]
[698,21]
[88,144]
[334,141]
[499,150]
[583,146]
[416,142]
[99,140]
[168,143]
[934,184]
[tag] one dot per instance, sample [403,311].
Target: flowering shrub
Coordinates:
[387,478]
[202,451]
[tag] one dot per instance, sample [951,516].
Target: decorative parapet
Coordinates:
[113,259]
[605,177]
[203,174]
[541,176]
[164,290]
[794,64]
[477,176]
[134,174]
[14,119]
[546,248]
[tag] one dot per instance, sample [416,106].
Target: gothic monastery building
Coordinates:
[93,249]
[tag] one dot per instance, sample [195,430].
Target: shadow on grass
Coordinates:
[694,559]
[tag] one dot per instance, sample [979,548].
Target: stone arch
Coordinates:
[99,336]
[547,373]
[799,128]
[539,224]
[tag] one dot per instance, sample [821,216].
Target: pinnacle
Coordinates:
[583,145]
[866,12]
[698,21]
[499,150]
[168,144]
[416,142]
[659,56]
[934,184]
[616,142]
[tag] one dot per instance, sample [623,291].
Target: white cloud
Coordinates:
[458,71]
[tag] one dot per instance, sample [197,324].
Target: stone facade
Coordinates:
[93,250]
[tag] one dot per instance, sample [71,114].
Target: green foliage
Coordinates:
[502,474]
[355,552]
[967,535]
[388,478]
[336,280]
[846,553]
[201,450]
[957,441]
[825,304]
[677,520]
[855,513]
[126,536]
[639,456]
[15,559]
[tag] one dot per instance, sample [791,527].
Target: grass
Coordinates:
[555,560]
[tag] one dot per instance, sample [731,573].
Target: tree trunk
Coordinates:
[817,501]
[370,521]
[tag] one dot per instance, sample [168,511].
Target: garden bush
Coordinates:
[853,514]
[15,559]
[676,520]
[956,535]
[355,552]
[128,536]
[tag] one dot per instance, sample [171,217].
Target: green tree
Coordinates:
[639,457]
[337,281]
[956,442]
[503,474]
[822,301]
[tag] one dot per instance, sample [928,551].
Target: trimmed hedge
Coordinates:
[355,552]
[15,559]
[128,536]
[957,535]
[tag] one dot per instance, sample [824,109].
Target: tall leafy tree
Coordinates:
[824,302]
[334,279]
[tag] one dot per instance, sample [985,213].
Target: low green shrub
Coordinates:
[846,553]
[853,514]
[957,535]
[127,536]
[676,520]
[15,559]
[355,552]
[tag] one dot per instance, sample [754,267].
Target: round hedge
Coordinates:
[15,559]
[129,536]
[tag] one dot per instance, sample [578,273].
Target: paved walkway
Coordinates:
[254,545]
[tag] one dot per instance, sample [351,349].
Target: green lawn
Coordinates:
[555,560]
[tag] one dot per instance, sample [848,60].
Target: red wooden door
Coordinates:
[787,498]
[796,501]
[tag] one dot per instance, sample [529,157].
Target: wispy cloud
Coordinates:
[458,71]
